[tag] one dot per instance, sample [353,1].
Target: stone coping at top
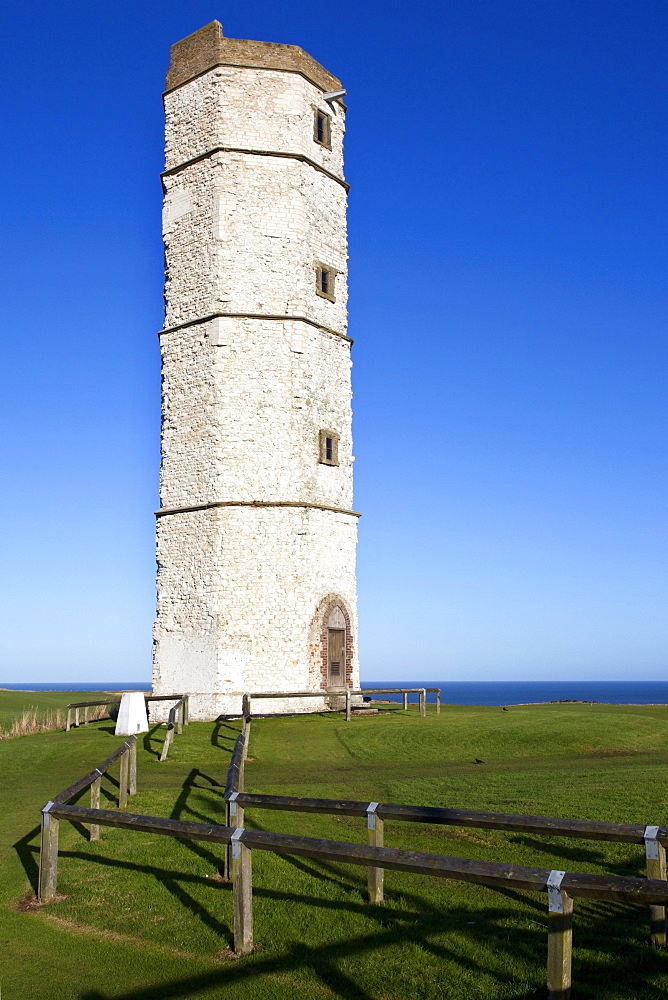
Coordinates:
[208,47]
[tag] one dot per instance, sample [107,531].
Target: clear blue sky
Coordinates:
[508,237]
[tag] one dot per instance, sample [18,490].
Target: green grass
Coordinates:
[13,703]
[143,917]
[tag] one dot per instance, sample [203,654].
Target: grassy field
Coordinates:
[144,918]
[13,703]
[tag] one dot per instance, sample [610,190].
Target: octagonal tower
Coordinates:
[255,534]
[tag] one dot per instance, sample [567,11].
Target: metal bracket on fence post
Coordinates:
[554,893]
[371,815]
[655,854]
[651,843]
[232,803]
[234,841]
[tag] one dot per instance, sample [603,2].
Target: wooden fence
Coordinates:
[561,887]
[177,718]
[126,753]
[348,694]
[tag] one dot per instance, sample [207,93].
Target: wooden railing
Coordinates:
[348,694]
[653,838]
[76,706]
[561,887]
[177,718]
[127,785]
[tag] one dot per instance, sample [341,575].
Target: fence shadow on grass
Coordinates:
[324,961]
[602,926]
[631,966]
[224,735]
[150,738]
[28,854]
[633,865]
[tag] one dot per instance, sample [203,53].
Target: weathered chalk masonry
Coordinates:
[256,535]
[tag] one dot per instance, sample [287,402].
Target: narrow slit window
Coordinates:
[324,281]
[322,132]
[329,448]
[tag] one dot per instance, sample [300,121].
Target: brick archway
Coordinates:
[326,607]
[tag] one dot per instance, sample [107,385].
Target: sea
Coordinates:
[457,692]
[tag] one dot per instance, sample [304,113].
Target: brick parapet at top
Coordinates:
[283,95]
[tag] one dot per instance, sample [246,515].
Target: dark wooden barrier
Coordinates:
[176,720]
[654,838]
[76,706]
[561,887]
[347,693]
[48,856]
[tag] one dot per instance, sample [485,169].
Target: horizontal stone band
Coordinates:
[228,315]
[255,152]
[253,503]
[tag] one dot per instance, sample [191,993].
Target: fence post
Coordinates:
[123,782]
[559,939]
[48,856]
[69,717]
[348,707]
[133,769]
[423,703]
[95,804]
[438,702]
[247,740]
[76,717]
[85,715]
[179,714]
[186,710]
[242,894]
[405,701]
[655,854]
[169,735]
[226,854]
[376,876]
[235,818]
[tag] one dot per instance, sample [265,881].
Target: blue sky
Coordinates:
[508,299]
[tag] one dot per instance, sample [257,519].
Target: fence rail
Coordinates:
[561,887]
[176,720]
[348,694]
[127,785]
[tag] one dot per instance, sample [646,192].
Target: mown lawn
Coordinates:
[144,917]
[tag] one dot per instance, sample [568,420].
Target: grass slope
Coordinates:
[13,703]
[144,918]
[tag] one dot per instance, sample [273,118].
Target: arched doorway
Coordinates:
[336,648]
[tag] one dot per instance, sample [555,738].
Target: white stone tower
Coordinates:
[256,536]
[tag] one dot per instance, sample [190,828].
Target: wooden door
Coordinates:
[336,656]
